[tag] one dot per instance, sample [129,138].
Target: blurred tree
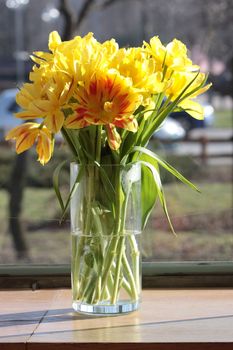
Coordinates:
[16,189]
[73,21]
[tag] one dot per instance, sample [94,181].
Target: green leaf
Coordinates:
[74,188]
[159,188]
[110,191]
[56,176]
[149,193]
[89,259]
[154,157]
[96,249]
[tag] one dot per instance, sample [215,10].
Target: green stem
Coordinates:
[135,254]
[109,258]
[98,143]
[111,251]
[75,281]
[98,154]
[77,252]
[69,141]
[121,249]
[84,281]
[89,290]
[100,246]
[130,277]
[125,283]
[89,197]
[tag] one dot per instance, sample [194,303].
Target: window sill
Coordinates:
[168,319]
[154,275]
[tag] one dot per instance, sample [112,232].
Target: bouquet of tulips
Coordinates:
[107,102]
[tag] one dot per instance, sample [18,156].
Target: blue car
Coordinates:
[8,106]
[190,123]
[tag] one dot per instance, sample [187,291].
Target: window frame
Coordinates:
[195,274]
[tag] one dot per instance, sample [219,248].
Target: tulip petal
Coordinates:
[129,124]
[54,40]
[25,115]
[25,141]
[21,129]
[193,108]
[76,121]
[54,121]
[44,147]
[114,139]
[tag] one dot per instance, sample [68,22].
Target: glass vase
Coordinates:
[106,230]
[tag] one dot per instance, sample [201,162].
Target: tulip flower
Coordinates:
[29,133]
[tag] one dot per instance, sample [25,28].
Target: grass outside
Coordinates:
[213,198]
[223,119]
[187,246]
[203,223]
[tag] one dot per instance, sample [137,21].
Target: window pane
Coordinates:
[202,151]
[203,221]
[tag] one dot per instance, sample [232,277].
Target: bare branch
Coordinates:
[109,3]
[83,12]
[68,20]
[72,24]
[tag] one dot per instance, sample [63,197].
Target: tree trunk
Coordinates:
[17,184]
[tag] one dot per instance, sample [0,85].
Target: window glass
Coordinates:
[202,151]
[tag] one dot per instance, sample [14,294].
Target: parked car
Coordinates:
[8,106]
[170,130]
[190,123]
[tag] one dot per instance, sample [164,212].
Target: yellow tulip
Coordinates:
[45,101]
[179,82]
[137,65]
[156,49]
[173,56]
[107,99]
[27,134]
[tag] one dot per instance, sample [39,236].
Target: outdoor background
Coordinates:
[29,213]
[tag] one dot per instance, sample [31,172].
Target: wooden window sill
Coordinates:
[168,319]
